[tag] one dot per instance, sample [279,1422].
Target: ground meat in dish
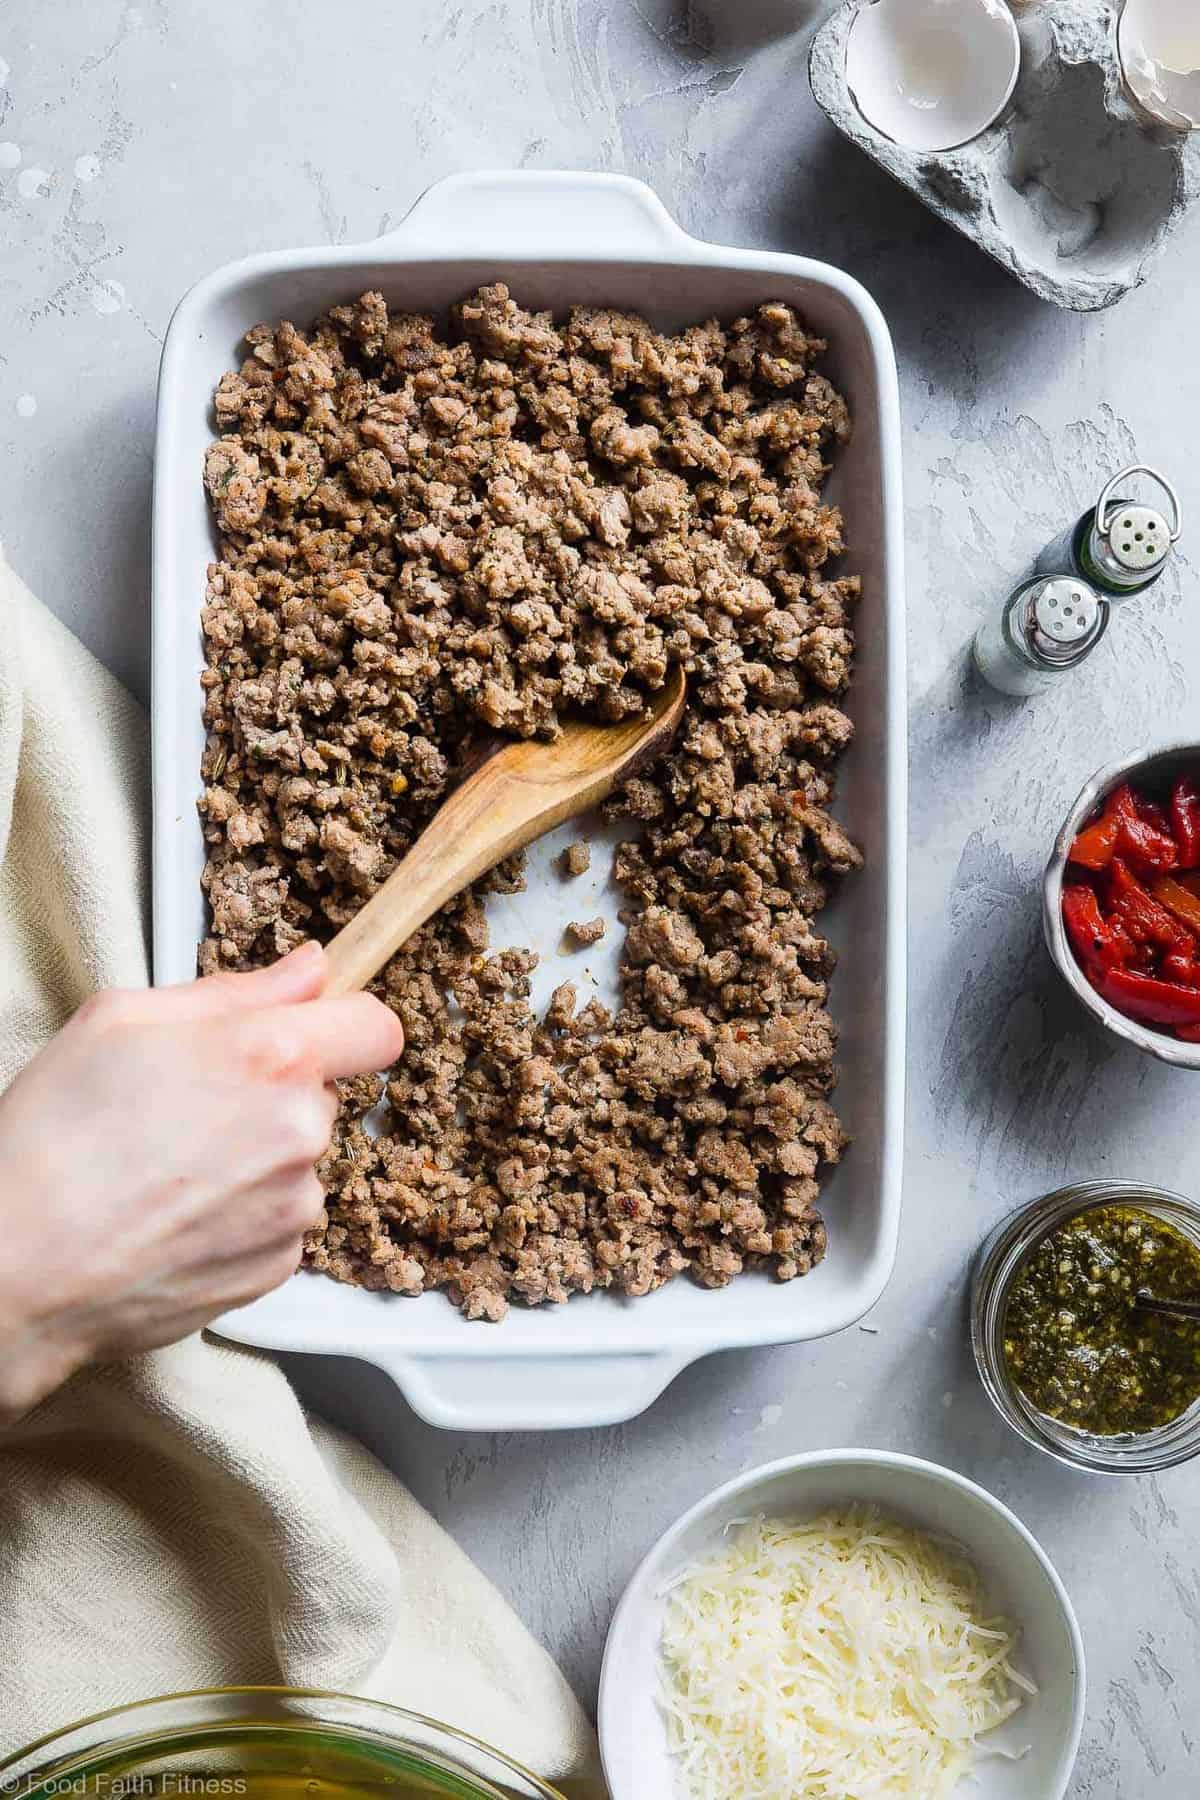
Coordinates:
[576,859]
[428,532]
[583,934]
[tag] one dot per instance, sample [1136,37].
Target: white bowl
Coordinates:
[1018,1578]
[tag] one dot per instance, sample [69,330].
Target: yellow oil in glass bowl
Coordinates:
[264,1744]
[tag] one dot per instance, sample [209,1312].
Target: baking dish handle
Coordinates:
[531,1393]
[537,212]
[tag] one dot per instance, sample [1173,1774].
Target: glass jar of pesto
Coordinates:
[1063,1352]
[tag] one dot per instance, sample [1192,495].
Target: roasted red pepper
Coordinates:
[1180,900]
[1122,830]
[1143,997]
[1185,821]
[1143,916]
[1095,844]
[1181,965]
[1148,849]
[1097,941]
[1133,919]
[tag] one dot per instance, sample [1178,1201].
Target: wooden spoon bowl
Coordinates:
[516,793]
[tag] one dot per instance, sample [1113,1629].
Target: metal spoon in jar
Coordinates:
[1174,1309]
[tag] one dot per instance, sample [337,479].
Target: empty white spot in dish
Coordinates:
[10,155]
[87,167]
[26,406]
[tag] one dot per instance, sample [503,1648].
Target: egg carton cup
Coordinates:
[1072,189]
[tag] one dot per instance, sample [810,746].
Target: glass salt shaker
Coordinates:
[1044,630]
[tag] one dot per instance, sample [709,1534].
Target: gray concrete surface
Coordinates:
[171,137]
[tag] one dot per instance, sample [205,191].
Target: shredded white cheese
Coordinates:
[844,1657]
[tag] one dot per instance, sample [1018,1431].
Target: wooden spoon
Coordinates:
[518,792]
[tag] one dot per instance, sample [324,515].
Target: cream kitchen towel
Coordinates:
[177,1521]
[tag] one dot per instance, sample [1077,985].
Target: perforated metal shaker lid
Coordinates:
[1137,537]
[1065,611]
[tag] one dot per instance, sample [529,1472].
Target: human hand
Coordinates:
[156,1161]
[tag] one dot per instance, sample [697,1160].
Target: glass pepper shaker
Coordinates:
[1120,546]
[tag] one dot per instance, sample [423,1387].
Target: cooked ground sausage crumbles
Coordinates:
[424,534]
[576,859]
[582,933]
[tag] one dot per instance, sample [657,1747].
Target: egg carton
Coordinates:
[1072,190]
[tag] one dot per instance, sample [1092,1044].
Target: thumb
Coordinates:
[296,977]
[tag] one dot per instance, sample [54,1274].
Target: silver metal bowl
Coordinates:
[1148,768]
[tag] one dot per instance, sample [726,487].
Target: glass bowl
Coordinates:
[1001,1258]
[264,1744]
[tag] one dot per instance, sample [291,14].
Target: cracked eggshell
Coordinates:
[932,74]
[1159,43]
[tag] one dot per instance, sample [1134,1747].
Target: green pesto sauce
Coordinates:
[1075,1344]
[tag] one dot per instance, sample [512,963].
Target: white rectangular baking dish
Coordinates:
[558,239]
